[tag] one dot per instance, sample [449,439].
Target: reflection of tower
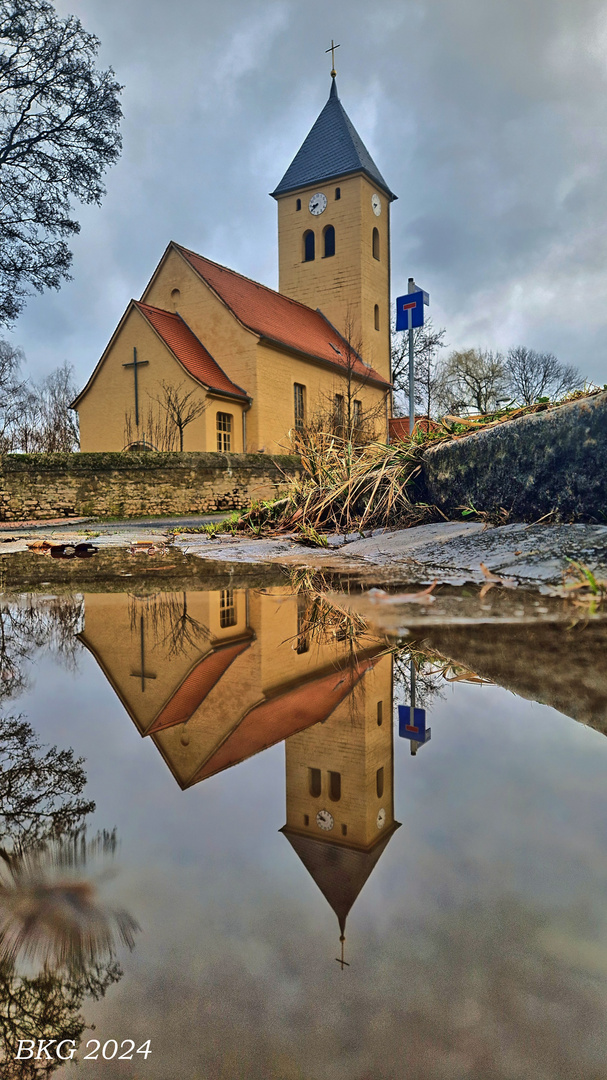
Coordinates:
[340,798]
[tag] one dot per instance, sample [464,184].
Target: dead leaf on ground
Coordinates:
[492,579]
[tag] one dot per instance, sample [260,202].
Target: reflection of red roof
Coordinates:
[278,718]
[277,317]
[188,349]
[196,686]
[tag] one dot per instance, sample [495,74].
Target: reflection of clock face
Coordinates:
[317,203]
[376,204]
[381,818]
[324,820]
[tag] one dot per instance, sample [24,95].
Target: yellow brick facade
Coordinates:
[348,285]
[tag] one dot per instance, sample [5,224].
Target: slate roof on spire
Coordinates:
[339,872]
[332,148]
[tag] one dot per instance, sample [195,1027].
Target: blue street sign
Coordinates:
[410,309]
[416,731]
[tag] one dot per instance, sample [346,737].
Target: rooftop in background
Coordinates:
[278,318]
[331,149]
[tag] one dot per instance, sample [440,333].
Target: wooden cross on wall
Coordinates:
[143,674]
[136,364]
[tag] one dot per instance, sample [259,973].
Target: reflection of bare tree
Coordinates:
[432,671]
[57,937]
[40,788]
[170,622]
[34,624]
[52,911]
[46,1006]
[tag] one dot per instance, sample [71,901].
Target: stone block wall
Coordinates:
[38,486]
[547,463]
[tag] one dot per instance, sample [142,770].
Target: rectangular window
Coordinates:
[314,782]
[299,406]
[227,608]
[358,415]
[338,411]
[224,432]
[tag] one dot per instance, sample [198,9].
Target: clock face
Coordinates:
[376,204]
[324,820]
[318,203]
[381,818]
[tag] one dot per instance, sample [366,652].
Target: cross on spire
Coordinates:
[332,51]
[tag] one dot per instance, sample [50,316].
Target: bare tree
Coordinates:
[180,405]
[473,379]
[343,411]
[59,120]
[534,375]
[426,344]
[47,424]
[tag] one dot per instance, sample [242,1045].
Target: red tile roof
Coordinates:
[277,317]
[190,352]
[278,718]
[198,683]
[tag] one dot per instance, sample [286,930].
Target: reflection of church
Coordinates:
[213,678]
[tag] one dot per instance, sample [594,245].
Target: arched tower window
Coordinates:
[329,238]
[298,204]
[338,193]
[314,782]
[376,316]
[379,782]
[309,246]
[335,786]
[376,244]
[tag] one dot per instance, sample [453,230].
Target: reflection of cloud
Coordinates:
[52,915]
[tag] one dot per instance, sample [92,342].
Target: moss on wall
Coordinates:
[38,486]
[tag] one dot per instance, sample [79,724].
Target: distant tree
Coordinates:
[45,423]
[426,344]
[181,406]
[533,375]
[12,392]
[59,118]
[473,379]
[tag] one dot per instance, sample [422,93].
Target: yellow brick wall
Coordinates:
[347,285]
[274,404]
[351,743]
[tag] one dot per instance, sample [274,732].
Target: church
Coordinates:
[209,360]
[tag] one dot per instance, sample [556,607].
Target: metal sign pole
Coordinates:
[412,288]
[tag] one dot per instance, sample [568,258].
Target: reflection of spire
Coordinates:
[340,872]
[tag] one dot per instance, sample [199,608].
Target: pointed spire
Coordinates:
[332,149]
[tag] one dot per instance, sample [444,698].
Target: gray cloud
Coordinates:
[488,120]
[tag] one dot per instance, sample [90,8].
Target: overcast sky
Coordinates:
[487,118]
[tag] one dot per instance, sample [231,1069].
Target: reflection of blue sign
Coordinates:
[410,310]
[413,728]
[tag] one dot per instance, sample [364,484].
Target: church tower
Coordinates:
[340,790]
[334,233]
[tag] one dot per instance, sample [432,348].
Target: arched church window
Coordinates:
[314,782]
[309,246]
[376,316]
[329,238]
[375,243]
[379,782]
[337,193]
[298,204]
[335,786]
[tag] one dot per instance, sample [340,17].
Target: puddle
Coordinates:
[262,833]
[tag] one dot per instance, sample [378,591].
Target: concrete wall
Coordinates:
[548,462]
[37,486]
